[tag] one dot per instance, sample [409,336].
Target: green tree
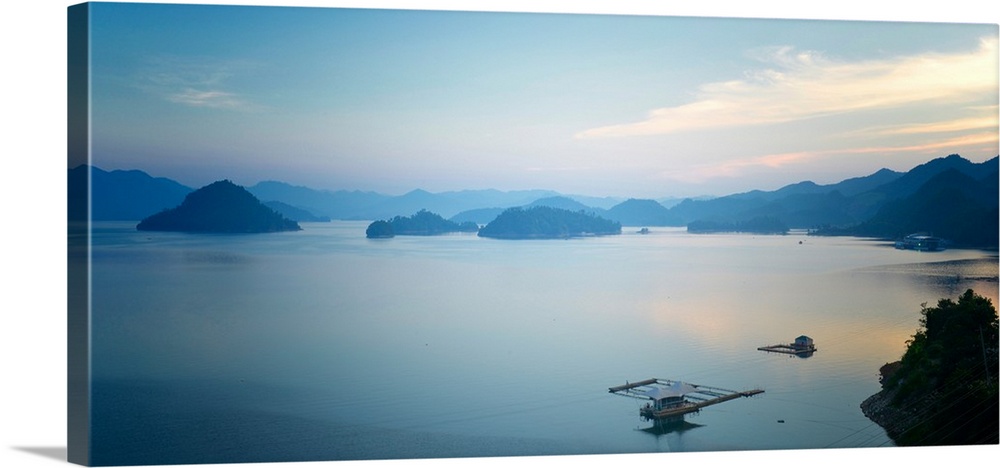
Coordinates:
[948,374]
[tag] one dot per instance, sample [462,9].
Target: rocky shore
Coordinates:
[879,409]
[908,423]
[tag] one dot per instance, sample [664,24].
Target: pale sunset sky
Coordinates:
[597,104]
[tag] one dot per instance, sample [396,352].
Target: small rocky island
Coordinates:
[543,222]
[220,207]
[423,223]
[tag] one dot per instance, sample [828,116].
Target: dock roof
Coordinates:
[673,389]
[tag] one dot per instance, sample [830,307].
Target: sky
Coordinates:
[597,104]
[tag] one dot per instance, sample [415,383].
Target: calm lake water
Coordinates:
[324,345]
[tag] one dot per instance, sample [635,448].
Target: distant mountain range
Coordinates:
[121,195]
[955,204]
[943,196]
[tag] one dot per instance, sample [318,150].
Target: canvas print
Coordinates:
[332,234]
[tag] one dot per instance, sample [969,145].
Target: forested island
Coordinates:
[759,225]
[544,222]
[944,389]
[220,207]
[423,223]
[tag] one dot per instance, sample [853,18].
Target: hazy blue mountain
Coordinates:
[410,202]
[853,186]
[866,204]
[220,207]
[951,205]
[760,225]
[847,187]
[131,195]
[602,203]
[915,178]
[641,212]
[449,204]
[806,187]
[670,202]
[723,209]
[808,205]
[806,210]
[991,184]
[564,203]
[122,195]
[485,215]
[358,205]
[295,213]
[790,203]
[478,216]
[471,199]
[341,204]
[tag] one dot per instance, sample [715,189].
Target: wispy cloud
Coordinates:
[732,168]
[965,124]
[735,167]
[799,85]
[208,98]
[195,82]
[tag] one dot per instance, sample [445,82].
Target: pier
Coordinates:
[786,349]
[671,399]
[802,346]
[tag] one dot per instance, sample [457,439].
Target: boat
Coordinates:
[922,242]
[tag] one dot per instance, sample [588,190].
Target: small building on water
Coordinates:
[670,395]
[803,346]
[803,342]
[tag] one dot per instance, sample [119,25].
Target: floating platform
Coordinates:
[671,399]
[802,346]
[788,349]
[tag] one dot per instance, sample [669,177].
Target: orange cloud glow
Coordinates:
[804,85]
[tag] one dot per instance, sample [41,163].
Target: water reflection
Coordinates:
[670,426]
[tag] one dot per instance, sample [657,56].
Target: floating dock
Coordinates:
[787,349]
[802,346]
[671,399]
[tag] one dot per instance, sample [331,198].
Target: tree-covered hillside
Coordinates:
[220,207]
[543,222]
[759,225]
[422,223]
[944,389]
[950,205]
